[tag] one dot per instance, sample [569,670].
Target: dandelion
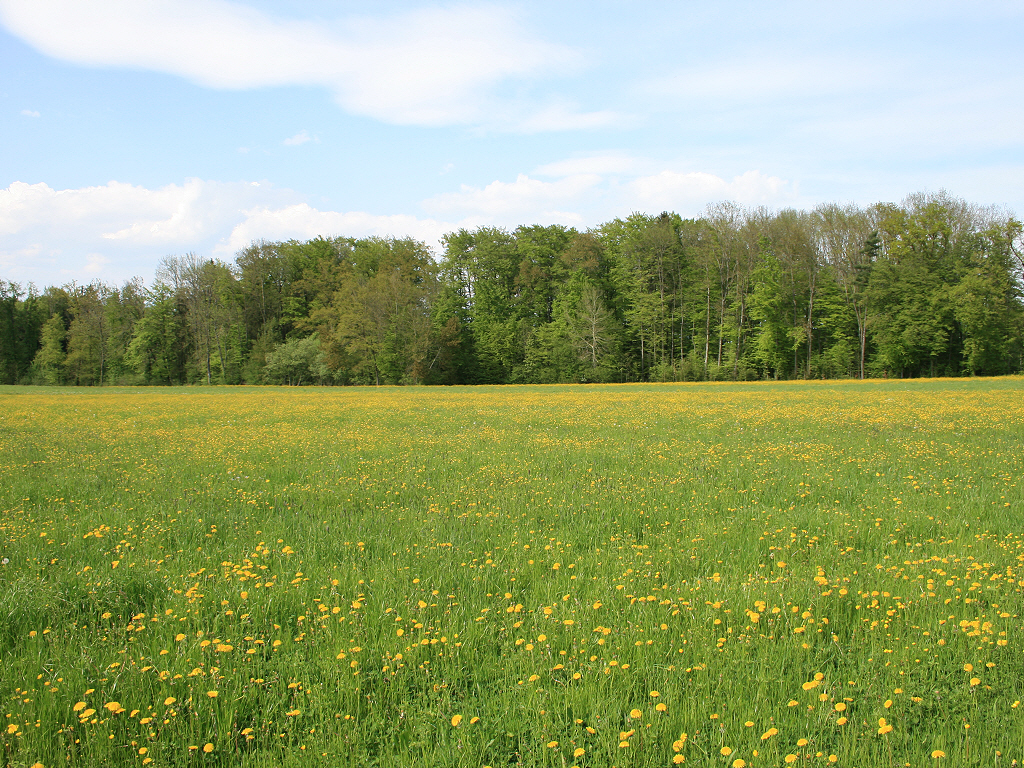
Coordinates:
[169,700]
[636,714]
[739,762]
[769,733]
[678,759]
[974,681]
[725,751]
[883,727]
[937,753]
[788,759]
[579,752]
[456,720]
[212,694]
[801,742]
[208,748]
[661,707]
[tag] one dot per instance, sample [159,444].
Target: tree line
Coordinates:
[933,286]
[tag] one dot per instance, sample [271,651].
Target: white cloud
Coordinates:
[29,113]
[432,66]
[303,222]
[590,190]
[506,202]
[117,230]
[299,138]
[672,190]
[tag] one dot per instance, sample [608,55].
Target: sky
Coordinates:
[135,129]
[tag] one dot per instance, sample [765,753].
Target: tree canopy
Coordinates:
[933,286]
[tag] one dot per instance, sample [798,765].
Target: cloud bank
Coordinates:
[116,231]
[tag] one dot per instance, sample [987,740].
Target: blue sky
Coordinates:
[133,129]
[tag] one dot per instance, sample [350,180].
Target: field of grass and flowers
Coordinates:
[713,575]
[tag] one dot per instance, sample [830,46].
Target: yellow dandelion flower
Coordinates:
[636,714]
[169,700]
[207,747]
[801,742]
[739,762]
[975,681]
[841,706]
[661,706]
[725,751]
[579,752]
[678,759]
[552,745]
[79,706]
[788,759]
[936,754]
[769,733]
[655,694]
[968,667]
[456,720]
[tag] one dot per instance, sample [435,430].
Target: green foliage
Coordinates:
[296,361]
[930,287]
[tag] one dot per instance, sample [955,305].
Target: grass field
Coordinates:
[727,575]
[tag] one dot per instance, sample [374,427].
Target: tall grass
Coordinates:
[729,575]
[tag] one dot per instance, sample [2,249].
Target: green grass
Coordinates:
[351,569]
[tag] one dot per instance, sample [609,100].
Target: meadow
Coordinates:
[766,574]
